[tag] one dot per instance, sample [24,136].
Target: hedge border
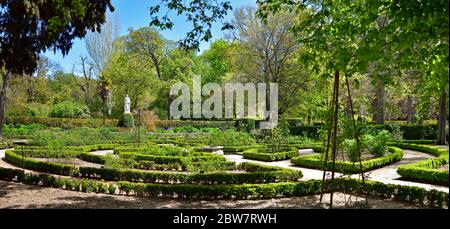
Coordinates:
[152,176]
[269,157]
[314,161]
[426,170]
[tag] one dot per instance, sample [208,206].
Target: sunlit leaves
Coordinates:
[201,13]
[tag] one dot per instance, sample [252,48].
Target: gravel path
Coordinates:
[16,195]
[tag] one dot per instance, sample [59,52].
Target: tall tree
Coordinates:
[31,27]
[100,47]
[267,53]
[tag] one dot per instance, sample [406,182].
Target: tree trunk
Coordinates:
[380,91]
[169,101]
[3,91]
[409,110]
[442,119]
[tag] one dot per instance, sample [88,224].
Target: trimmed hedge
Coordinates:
[410,132]
[35,165]
[256,154]
[235,149]
[153,176]
[48,153]
[422,142]
[432,198]
[62,122]
[307,131]
[5,145]
[98,159]
[193,178]
[427,170]
[316,162]
[166,124]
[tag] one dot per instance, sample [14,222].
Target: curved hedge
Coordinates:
[316,162]
[192,178]
[427,170]
[41,166]
[256,154]
[112,174]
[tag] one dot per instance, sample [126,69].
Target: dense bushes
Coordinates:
[264,154]
[167,124]
[126,120]
[229,138]
[69,109]
[163,150]
[62,122]
[307,131]
[79,137]
[246,124]
[376,144]
[409,132]
[316,162]
[426,170]
[21,131]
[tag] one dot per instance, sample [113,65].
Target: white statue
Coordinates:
[127,105]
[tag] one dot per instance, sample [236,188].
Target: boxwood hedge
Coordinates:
[262,154]
[427,170]
[315,161]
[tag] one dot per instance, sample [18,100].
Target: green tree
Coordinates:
[31,27]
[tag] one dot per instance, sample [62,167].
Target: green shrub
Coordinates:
[246,125]
[223,125]
[21,131]
[307,131]
[61,122]
[351,149]
[185,129]
[126,120]
[68,109]
[194,178]
[40,166]
[398,132]
[376,144]
[229,138]
[316,162]
[264,154]
[9,174]
[99,159]
[427,170]
[79,137]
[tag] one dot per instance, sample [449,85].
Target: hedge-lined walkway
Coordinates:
[387,175]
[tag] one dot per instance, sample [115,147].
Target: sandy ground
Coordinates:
[16,195]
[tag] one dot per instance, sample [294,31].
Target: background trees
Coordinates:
[30,27]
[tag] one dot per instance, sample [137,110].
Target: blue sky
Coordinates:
[135,14]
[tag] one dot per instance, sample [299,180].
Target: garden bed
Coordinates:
[433,170]
[347,167]
[265,154]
